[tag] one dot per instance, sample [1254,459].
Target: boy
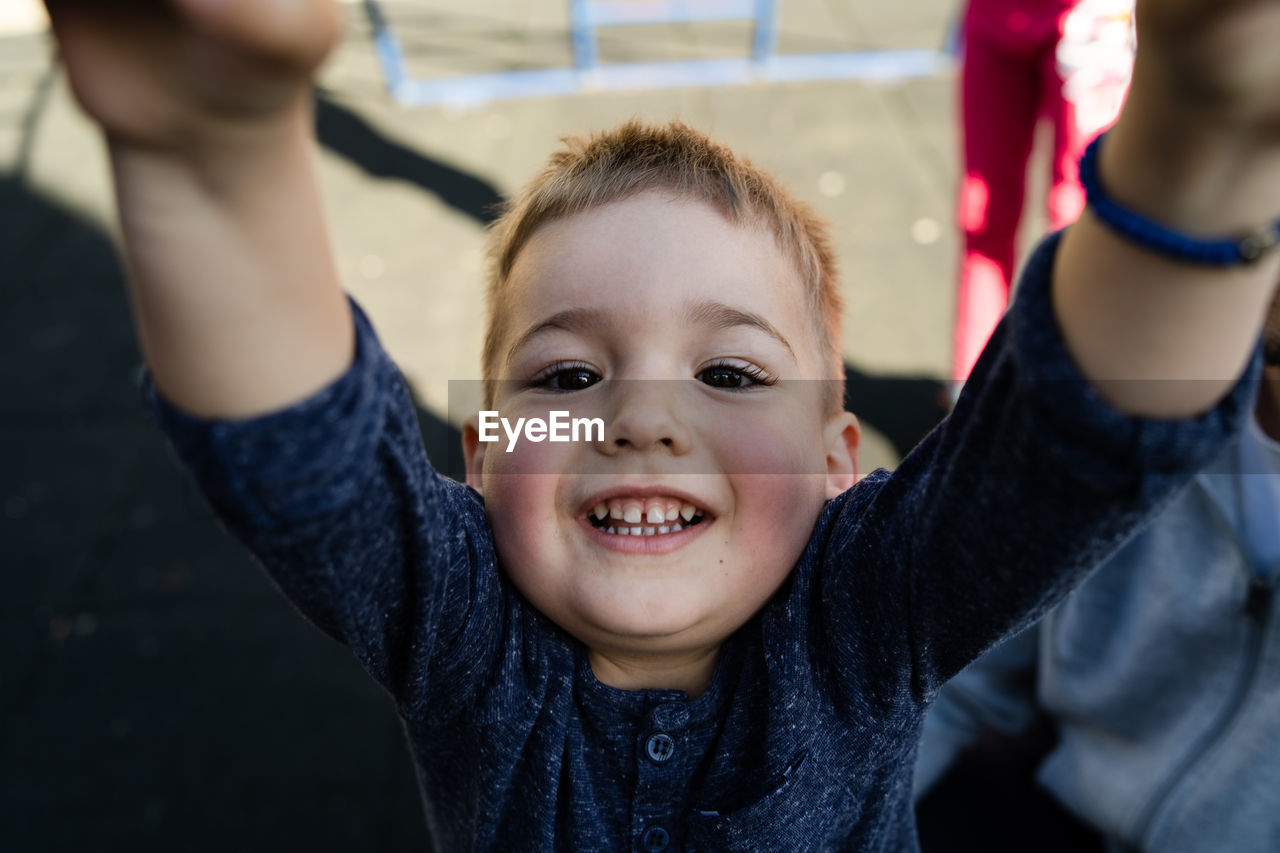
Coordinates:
[756,678]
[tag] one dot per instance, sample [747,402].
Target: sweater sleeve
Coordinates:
[1029,484]
[336,498]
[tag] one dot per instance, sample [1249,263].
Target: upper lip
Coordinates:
[641,492]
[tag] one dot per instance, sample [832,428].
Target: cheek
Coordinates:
[773,521]
[775,511]
[778,477]
[767,442]
[527,459]
[520,490]
[525,536]
[765,455]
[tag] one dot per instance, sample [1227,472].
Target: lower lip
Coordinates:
[659,543]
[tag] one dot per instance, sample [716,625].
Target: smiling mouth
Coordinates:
[645,517]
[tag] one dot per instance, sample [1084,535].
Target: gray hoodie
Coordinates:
[1162,672]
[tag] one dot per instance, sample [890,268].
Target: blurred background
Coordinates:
[155,690]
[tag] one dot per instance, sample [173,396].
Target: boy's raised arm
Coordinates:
[206,108]
[1196,149]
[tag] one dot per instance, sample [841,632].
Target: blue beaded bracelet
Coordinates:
[1166,241]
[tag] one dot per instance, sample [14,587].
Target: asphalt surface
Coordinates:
[156,692]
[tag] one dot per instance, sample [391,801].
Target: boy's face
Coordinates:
[686,335]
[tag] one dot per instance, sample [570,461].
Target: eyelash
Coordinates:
[544,378]
[753,375]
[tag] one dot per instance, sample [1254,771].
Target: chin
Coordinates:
[651,628]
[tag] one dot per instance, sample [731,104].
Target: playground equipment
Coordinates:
[588,74]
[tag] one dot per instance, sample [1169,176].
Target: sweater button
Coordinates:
[660,747]
[655,839]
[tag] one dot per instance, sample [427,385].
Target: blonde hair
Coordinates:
[593,171]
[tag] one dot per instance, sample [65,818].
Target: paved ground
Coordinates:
[154,689]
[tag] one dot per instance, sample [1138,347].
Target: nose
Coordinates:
[647,416]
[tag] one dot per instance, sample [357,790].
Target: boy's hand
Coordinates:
[206,106]
[171,74]
[1196,149]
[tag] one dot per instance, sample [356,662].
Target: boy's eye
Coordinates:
[566,377]
[733,376]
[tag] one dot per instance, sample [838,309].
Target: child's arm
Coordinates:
[304,437]
[1197,149]
[1034,480]
[205,105]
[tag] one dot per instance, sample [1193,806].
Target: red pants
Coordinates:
[1009,81]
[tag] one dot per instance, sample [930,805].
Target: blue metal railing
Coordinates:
[764,65]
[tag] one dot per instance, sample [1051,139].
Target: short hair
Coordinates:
[592,171]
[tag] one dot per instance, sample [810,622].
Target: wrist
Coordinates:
[1176,244]
[234,180]
[1189,170]
[220,154]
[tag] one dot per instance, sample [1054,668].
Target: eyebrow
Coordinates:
[569,320]
[717,315]
[709,313]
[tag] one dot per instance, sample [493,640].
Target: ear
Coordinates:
[473,452]
[842,437]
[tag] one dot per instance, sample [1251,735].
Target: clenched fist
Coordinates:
[172,74]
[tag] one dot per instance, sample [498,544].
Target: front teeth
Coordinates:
[647,517]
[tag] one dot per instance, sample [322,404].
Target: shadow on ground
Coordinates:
[350,135]
[155,690]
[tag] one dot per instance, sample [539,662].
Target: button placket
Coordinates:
[661,775]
